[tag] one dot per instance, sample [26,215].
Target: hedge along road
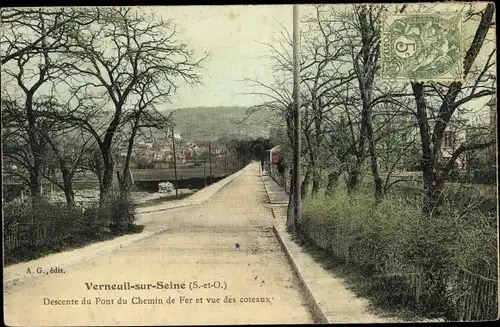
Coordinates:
[192,274]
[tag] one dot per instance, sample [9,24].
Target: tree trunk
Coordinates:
[34,143]
[366,70]
[304,187]
[126,180]
[428,161]
[376,176]
[68,188]
[107,177]
[101,194]
[433,189]
[316,183]
[318,121]
[35,190]
[353,179]
[98,172]
[354,172]
[106,153]
[333,178]
[69,194]
[367,119]
[290,213]
[433,176]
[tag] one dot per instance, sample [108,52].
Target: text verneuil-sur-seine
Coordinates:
[159,285]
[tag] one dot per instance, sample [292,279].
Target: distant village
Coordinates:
[158,152]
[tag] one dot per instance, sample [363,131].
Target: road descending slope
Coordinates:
[194,273]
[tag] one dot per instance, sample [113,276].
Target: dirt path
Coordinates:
[199,247]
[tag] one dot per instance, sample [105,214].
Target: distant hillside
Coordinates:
[211,123]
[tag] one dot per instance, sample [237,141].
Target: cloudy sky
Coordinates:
[233,36]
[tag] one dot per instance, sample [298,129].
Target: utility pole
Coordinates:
[175,166]
[225,159]
[296,93]
[205,171]
[210,159]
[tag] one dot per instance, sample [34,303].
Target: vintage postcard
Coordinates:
[239,165]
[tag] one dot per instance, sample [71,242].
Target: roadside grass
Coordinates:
[357,283]
[160,200]
[28,253]
[33,232]
[77,186]
[378,247]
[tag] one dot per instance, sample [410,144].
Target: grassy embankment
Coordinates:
[31,232]
[160,200]
[409,264]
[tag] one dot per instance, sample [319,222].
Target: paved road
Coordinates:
[198,247]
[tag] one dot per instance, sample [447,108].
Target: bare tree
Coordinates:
[110,58]
[144,116]
[30,40]
[68,149]
[15,143]
[30,114]
[28,29]
[324,74]
[360,33]
[321,75]
[339,148]
[451,96]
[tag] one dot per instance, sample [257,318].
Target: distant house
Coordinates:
[454,135]
[457,130]
[163,155]
[123,153]
[124,150]
[144,146]
[161,142]
[198,149]
[273,155]
[143,153]
[177,136]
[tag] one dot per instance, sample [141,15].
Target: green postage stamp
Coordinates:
[422,47]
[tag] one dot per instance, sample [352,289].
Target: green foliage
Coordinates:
[205,155]
[481,165]
[481,158]
[143,163]
[31,232]
[120,211]
[253,149]
[389,242]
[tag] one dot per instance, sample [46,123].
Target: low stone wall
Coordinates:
[85,198]
[196,183]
